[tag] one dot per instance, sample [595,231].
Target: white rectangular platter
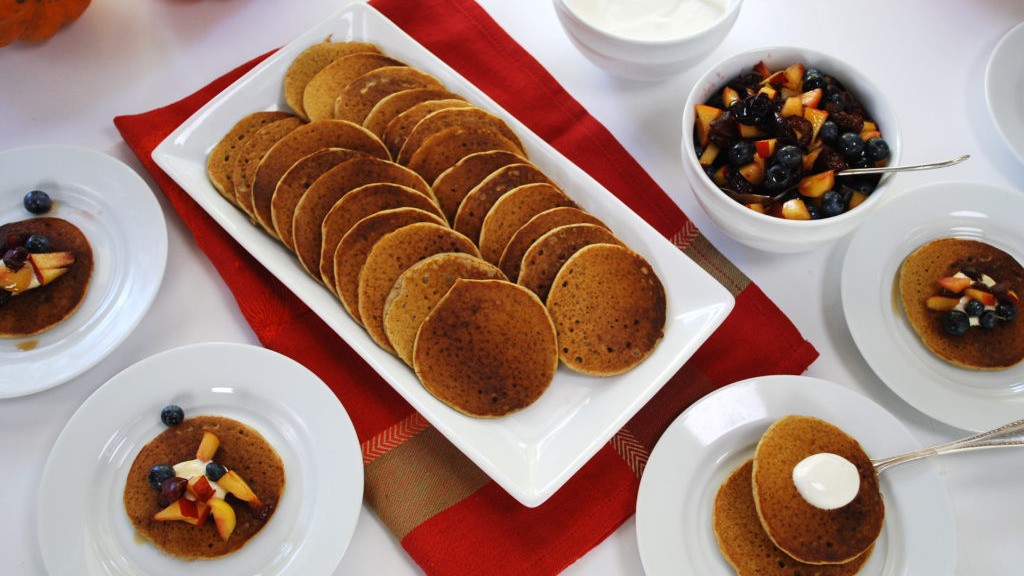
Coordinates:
[531,453]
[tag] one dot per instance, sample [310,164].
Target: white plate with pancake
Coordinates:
[116,210]
[83,527]
[1004,89]
[716,434]
[969,399]
[533,452]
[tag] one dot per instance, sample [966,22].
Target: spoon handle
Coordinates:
[906,168]
[1011,434]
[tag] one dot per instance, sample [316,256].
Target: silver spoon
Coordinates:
[1008,435]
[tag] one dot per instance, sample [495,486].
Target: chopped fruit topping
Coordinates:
[223,517]
[795,209]
[190,511]
[941,303]
[815,185]
[172,489]
[976,300]
[200,488]
[207,446]
[172,415]
[955,284]
[237,487]
[986,298]
[956,323]
[215,470]
[159,473]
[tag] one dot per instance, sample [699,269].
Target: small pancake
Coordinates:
[545,257]
[241,449]
[466,116]
[609,310]
[420,288]
[390,106]
[512,210]
[392,255]
[359,203]
[442,150]
[43,307]
[248,159]
[312,60]
[397,130]
[220,163]
[743,542]
[803,531]
[452,185]
[469,218]
[360,95]
[294,183]
[323,88]
[307,224]
[512,255]
[979,349]
[301,142]
[487,349]
[355,245]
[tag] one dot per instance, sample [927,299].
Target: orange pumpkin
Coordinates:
[36,19]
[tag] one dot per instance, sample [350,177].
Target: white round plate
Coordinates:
[83,528]
[719,432]
[969,399]
[116,210]
[1004,89]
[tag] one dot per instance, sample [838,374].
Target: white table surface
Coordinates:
[127,56]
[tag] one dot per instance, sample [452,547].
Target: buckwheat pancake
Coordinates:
[42,308]
[487,349]
[244,171]
[801,530]
[355,246]
[513,209]
[398,129]
[220,163]
[744,543]
[390,106]
[312,60]
[362,94]
[301,142]
[608,307]
[323,88]
[452,185]
[546,256]
[467,116]
[979,349]
[469,218]
[242,449]
[512,256]
[442,150]
[307,223]
[359,203]
[420,288]
[294,183]
[393,254]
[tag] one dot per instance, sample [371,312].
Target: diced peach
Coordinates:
[817,118]
[707,158]
[866,135]
[794,76]
[815,185]
[869,125]
[765,147]
[776,79]
[762,69]
[941,303]
[52,259]
[795,209]
[955,284]
[751,132]
[729,95]
[186,510]
[705,116]
[856,199]
[753,171]
[200,487]
[986,298]
[18,281]
[719,176]
[757,207]
[207,446]
[234,484]
[792,107]
[809,158]
[1012,296]
[223,517]
[811,98]
[768,91]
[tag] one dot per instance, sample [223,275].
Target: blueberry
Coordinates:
[850,145]
[789,156]
[813,79]
[876,149]
[955,323]
[37,202]
[988,320]
[829,132]
[159,473]
[974,308]
[172,415]
[832,204]
[814,211]
[38,244]
[215,470]
[1006,311]
[777,177]
[741,153]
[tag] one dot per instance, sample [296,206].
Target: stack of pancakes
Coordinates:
[765,527]
[422,213]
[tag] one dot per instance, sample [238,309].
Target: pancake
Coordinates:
[393,254]
[512,255]
[312,60]
[294,183]
[358,204]
[743,541]
[979,349]
[242,449]
[487,349]
[398,129]
[466,116]
[803,531]
[220,163]
[420,288]
[360,95]
[469,218]
[355,246]
[248,159]
[323,88]
[452,185]
[445,148]
[390,106]
[512,210]
[307,223]
[299,143]
[609,310]
[545,257]
[41,308]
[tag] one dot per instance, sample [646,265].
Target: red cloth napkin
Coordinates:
[446,513]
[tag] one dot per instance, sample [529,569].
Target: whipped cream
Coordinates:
[826,480]
[650,19]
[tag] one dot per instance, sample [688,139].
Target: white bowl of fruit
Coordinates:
[767,136]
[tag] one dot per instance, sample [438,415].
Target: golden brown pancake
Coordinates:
[241,449]
[512,210]
[244,171]
[803,531]
[469,218]
[512,255]
[390,106]
[980,348]
[43,307]
[445,148]
[324,87]
[398,129]
[220,164]
[393,254]
[360,95]
[545,257]
[609,310]
[487,349]
[743,541]
[420,288]
[452,185]
[466,116]
[312,60]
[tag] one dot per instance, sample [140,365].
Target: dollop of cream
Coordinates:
[650,19]
[826,480]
